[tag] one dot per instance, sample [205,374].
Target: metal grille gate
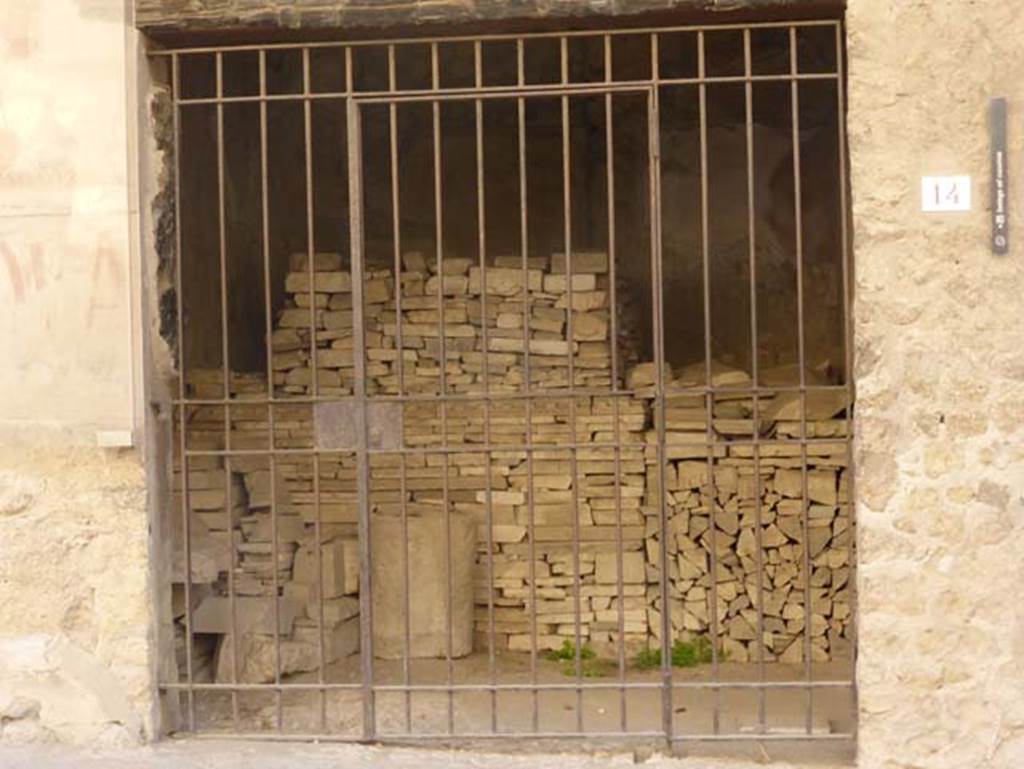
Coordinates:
[353,430]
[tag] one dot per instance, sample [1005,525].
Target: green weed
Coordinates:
[685,654]
[567,652]
[591,666]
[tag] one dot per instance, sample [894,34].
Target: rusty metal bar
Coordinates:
[848,352]
[400,364]
[268,330]
[711,390]
[658,320]
[567,235]
[755,359]
[399,738]
[540,394]
[570,687]
[182,405]
[754,363]
[226,366]
[527,383]
[435,80]
[479,447]
[500,37]
[355,180]
[307,117]
[488,496]
[267,304]
[613,332]
[498,91]
[802,363]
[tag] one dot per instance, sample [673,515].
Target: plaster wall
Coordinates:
[940,384]
[75,629]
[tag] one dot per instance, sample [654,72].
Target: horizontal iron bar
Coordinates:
[764,737]
[392,737]
[470,448]
[582,88]
[734,737]
[269,687]
[588,88]
[502,92]
[412,41]
[572,687]
[592,392]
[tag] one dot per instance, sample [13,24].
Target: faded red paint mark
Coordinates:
[38,264]
[105,262]
[19,28]
[13,272]
[9,148]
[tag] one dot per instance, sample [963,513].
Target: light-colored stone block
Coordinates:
[441,599]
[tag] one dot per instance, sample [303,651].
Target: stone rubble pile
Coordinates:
[759,532]
[250,557]
[476,318]
[532,591]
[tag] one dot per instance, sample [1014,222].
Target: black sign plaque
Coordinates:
[1000,190]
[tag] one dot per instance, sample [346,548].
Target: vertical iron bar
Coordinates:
[802,362]
[755,448]
[613,332]
[709,402]
[657,309]
[851,634]
[268,322]
[403,491]
[355,182]
[443,353]
[226,365]
[315,378]
[307,116]
[482,246]
[573,455]
[183,411]
[527,384]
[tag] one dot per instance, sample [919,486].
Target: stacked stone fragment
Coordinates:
[761,525]
[533,587]
[478,310]
[485,311]
[239,538]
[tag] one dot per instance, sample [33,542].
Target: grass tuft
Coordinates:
[591,666]
[685,654]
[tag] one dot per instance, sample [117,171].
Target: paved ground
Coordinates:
[223,754]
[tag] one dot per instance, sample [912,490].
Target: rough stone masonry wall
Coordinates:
[940,376]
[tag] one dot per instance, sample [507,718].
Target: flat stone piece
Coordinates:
[581,262]
[323,261]
[632,568]
[336,425]
[252,614]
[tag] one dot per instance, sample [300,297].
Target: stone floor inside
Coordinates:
[427,715]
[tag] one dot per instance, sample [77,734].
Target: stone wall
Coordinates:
[527,507]
[76,637]
[77,646]
[940,381]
